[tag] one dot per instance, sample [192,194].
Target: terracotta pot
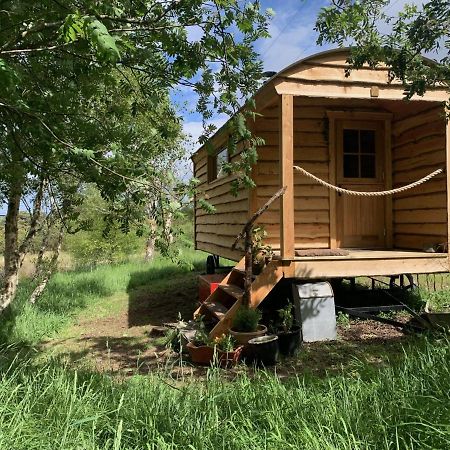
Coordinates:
[229,359]
[202,354]
[242,338]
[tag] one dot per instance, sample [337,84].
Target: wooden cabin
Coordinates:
[355,132]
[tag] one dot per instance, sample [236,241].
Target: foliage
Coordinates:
[95,245]
[86,100]
[417,30]
[258,246]
[286,318]
[201,336]
[246,320]
[226,342]
[173,338]
[343,319]
[438,301]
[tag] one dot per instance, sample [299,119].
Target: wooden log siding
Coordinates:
[214,233]
[418,147]
[311,201]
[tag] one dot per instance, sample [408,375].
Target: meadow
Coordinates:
[46,403]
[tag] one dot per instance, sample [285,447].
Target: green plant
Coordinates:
[343,319]
[201,335]
[174,337]
[246,320]
[438,301]
[286,318]
[259,249]
[226,342]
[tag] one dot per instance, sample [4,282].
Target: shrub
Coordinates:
[246,320]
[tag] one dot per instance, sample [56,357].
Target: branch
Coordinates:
[255,216]
[31,50]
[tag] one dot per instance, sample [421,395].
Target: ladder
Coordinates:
[223,303]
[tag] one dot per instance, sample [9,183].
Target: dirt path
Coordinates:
[124,335]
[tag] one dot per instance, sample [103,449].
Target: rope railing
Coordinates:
[369,193]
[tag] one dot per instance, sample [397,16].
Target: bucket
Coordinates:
[264,350]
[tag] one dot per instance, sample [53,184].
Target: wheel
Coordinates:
[210,265]
[404,282]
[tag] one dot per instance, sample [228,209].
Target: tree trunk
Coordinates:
[248,268]
[15,254]
[42,249]
[47,274]
[246,233]
[150,245]
[11,251]
[168,228]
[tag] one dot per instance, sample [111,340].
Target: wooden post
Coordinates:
[286,132]
[388,214]
[447,175]
[332,178]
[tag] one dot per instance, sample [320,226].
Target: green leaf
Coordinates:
[101,39]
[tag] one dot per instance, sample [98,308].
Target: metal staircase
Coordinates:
[222,304]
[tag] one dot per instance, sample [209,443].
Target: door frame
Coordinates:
[385,117]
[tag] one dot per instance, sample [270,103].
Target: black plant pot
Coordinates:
[289,342]
[264,350]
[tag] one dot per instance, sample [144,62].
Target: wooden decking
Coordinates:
[223,303]
[361,262]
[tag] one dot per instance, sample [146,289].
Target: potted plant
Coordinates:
[261,254]
[228,352]
[437,309]
[200,349]
[288,333]
[264,350]
[246,325]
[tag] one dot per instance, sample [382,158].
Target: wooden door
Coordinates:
[360,167]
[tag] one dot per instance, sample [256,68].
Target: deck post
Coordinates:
[447,175]
[286,133]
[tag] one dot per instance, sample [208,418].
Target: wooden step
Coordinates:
[216,309]
[232,290]
[242,272]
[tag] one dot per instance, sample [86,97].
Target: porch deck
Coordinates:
[365,262]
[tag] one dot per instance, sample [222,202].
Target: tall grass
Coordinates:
[46,405]
[71,291]
[403,407]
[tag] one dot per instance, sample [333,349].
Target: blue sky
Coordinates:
[292,38]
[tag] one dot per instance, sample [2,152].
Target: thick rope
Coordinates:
[368,193]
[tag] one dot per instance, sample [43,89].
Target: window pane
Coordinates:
[368,166]
[351,144]
[367,141]
[351,169]
[221,159]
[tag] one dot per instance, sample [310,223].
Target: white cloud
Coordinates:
[194,129]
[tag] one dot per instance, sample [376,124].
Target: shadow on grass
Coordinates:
[130,355]
[115,354]
[158,296]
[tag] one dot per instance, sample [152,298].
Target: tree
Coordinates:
[77,76]
[414,32]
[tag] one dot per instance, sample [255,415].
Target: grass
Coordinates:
[71,292]
[45,404]
[400,407]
